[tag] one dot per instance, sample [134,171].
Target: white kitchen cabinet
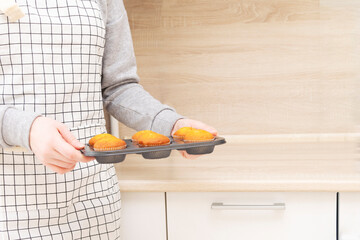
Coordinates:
[143,216]
[251,216]
[349,216]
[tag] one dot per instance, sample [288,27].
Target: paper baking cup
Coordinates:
[154,145]
[178,138]
[197,141]
[109,149]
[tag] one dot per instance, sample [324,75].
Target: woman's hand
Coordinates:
[195,124]
[55,146]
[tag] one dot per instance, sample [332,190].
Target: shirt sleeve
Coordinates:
[123,96]
[15,126]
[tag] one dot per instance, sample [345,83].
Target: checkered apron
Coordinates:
[51,63]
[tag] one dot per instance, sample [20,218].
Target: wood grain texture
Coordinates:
[251,66]
[234,167]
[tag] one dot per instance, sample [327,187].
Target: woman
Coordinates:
[59,65]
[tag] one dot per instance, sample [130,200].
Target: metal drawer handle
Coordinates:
[222,206]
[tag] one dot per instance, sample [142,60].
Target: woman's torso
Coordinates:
[51,63]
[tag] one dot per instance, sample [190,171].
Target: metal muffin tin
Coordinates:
[156,152]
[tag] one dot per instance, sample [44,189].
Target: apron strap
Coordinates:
[11,10]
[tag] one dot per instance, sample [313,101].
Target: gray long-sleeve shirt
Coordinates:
[123,97]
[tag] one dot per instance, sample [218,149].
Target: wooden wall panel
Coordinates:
[251,66]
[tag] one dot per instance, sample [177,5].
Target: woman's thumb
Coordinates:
[68,137]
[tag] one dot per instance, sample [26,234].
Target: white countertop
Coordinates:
[238,166]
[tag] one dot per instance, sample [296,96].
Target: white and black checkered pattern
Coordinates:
[50,63]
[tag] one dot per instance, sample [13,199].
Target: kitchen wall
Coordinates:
[251,66]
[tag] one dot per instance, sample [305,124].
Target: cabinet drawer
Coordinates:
[281,216]
[349,216]
[143,216]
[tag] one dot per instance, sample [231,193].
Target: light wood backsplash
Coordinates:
[251,66]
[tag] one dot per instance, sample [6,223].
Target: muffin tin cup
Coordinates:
[111,158]
[200,150]
[152,145]
[153,152]
[156,154]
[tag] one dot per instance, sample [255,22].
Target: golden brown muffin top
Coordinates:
[198,135]
[98,137]
[182,131]
[136,136]
[109,143]
[153,139]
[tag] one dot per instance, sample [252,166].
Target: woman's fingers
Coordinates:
[69,152]
[195,124]
[211,130]
[61,163]
[201,125]
[55,154]
[188,156]
[54,145]
[68,137]
[58,169]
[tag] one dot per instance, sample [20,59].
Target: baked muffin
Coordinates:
[198,135]
[179,134]
[136,136]
[150,139]
[98,137]
[109,144]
